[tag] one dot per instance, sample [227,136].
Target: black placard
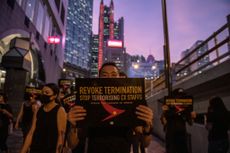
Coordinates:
[65,86]
[69,99]
[184,103]
[110,101]
[33,90]
[64,82]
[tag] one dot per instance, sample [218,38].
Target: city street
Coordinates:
[15,143]
[158,62]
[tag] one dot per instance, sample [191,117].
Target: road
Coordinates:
[15,142]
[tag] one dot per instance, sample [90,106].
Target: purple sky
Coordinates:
[189,20]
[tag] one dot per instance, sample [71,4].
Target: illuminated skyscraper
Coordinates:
[78,35]
[106,28]
[119,30]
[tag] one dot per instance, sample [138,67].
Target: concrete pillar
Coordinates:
[17,63]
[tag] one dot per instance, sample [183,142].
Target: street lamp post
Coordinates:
[166,49]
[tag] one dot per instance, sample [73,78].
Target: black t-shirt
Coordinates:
[5,119]
[220,124]
[46,131]
[108,140]
[176,122]
[27,114]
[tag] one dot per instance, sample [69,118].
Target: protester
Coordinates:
[174,122]
[109,140]
[48,126]
[137,136]
[218,123]
[5,116]
[25,115]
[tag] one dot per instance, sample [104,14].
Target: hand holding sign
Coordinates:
[146,114]
[76,113]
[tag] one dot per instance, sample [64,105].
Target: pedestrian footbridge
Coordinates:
[201,75]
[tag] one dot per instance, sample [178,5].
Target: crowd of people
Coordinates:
[50,127]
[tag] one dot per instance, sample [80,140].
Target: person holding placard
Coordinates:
[109,139]
[174,120]
[25,115]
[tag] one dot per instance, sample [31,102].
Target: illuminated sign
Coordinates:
[54,40]
[115,43]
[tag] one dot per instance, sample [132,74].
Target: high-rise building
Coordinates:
[109,30]
[201,50]
[119,30]
[115,52]
[78,36]
[94,56]
[197,53]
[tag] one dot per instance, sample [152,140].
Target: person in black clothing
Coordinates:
[218,122]
[136,136]
[5,116]
[48,126]
[111,139]
[174,122]
[25,116]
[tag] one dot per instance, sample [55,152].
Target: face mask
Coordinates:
[45,99]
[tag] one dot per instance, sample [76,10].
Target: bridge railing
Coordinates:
[201,57]
[209,53]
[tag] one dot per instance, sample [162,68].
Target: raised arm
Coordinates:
[29,136]
[76,113]
[146,114]
[61,125]
[19,117]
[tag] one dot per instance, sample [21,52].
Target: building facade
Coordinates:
[119,30]
[33,21]
[115,53]
[199,51]
[109,30]
[78,36]
[148,69]
[94,57]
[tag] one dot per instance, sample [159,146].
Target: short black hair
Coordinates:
[123,74]
[55,90]
[178,92]
[54,87]
[108,64]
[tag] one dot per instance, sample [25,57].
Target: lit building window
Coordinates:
[30,9]
[39,22]
[47,28]
[136,66]
[19,2]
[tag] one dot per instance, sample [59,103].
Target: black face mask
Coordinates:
[45,99]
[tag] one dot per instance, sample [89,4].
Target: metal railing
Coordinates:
[201,57]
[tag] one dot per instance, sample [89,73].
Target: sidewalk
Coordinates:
[156,146]
[15,142]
